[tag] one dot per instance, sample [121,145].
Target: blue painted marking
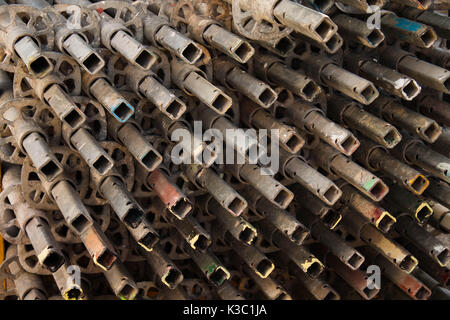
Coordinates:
[128,105]
[407,24]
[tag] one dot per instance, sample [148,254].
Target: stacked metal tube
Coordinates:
[191,149]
